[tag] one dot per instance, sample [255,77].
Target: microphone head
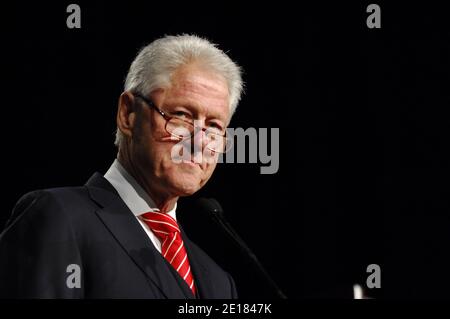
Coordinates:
[210,206]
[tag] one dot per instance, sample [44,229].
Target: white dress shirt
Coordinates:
[134,196]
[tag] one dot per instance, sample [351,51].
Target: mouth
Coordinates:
[191,163]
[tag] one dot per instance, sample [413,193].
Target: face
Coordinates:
[195,94]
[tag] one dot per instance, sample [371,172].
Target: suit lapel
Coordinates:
[203,280]
[128,232]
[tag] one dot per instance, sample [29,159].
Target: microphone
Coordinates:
[212,208]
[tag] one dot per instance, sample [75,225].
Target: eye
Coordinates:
[180,114]
[216,126]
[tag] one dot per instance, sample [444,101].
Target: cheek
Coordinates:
[152,156]
[152,143]
[209,170]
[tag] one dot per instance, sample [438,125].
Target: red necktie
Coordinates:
[172,247]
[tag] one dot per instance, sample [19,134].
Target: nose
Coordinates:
[198,144]
[199,139]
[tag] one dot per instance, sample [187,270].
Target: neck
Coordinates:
[165,202]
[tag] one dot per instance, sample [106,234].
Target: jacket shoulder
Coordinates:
[50,203]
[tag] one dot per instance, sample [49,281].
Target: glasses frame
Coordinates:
[167,117]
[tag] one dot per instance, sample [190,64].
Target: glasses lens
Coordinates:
[218,143]
[179,129]
[182,130]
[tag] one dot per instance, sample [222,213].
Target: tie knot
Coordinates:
[161,224]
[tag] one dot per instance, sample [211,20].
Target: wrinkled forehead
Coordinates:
[199,88]
[199,79]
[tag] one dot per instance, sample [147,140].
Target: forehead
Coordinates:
[200,89]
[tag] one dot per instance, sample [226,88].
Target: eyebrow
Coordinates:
[195,110]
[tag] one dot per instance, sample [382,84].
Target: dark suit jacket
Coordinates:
[91,226]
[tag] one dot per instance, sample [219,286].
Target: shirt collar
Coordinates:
[134,196]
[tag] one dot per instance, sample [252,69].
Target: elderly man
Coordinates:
[118,236]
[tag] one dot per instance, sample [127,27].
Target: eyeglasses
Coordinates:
[181,129]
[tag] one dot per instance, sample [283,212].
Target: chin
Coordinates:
[186,190]
[185,184]
[185,180]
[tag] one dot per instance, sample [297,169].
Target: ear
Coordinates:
[126,113]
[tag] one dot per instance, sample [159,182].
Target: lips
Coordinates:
[191,163]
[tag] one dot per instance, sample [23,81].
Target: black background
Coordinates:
[364,134]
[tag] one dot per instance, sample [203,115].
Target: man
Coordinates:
[117,236]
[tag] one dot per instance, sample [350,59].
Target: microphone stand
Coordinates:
[216,211]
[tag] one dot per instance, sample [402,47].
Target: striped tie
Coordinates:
[172,248]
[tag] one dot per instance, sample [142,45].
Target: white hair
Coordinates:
[155,63]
